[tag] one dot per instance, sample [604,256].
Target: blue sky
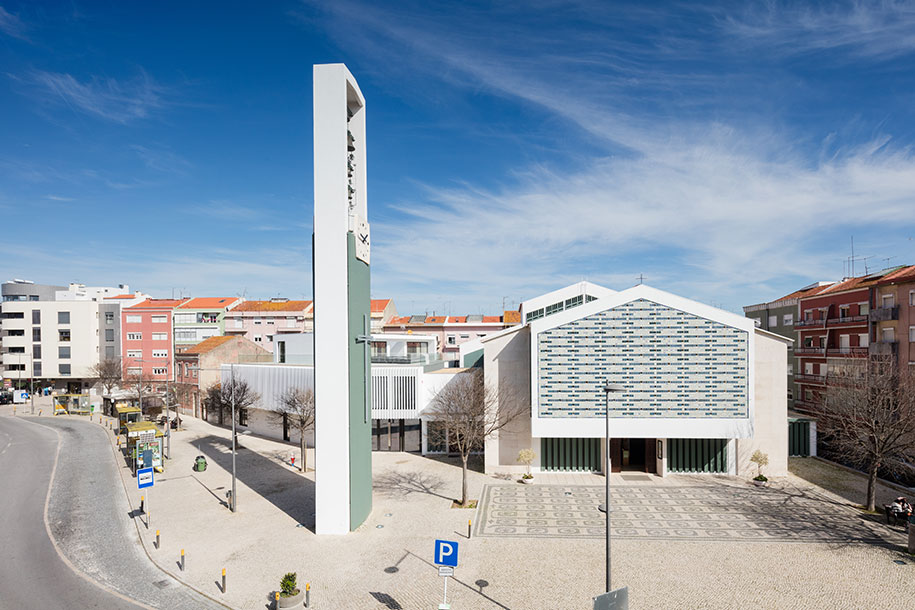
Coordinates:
[727,151]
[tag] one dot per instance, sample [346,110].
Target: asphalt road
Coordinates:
[88,516]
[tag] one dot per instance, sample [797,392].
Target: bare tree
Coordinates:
[297,406]
[107,372]
[467,411]
[869,420]
[221,396]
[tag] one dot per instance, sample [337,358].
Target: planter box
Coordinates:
[527,481]
[760,483]
[292,601]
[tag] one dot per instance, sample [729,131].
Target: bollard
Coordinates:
[308,595]
[468,529]
[157,539]
[182,560]
[276,599]
[223,580]
[142,498]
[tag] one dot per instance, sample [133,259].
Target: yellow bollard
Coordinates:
[223,580]
[157,538]
[182,560]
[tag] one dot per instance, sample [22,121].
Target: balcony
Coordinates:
[809,351]
[847,320]
[821,379]
[885,314]
[406,359]
[808,323]
[884,348]
[847,352]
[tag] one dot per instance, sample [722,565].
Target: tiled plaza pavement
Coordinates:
[724,512]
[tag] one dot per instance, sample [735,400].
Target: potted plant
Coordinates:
[526,456]
[290,596]
[760,459]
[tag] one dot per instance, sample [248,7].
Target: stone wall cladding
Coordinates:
[670,362]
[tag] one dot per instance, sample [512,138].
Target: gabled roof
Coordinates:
[208,345]
[491,319]
[273,306]
[905,274]
[860,282]
[457,319]
[379,305]
[805,292]
[208,303]
[122,296]
[157,304]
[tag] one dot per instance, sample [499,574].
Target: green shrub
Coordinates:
[288,585]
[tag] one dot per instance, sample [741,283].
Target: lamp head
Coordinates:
[612,387]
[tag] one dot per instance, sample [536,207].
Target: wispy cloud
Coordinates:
[105,98]
[12,25]
[872,29]
[162,160]
[59,198]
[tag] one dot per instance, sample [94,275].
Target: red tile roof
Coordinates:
[158,304]
[207,345]
[208,302]
[906,274]
[804,292]
[512,317]
[122,296]
[457,319]
[491,319]
[378,305]
[273,306]
[435,319]
[400,320]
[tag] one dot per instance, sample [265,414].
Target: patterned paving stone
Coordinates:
[719,512]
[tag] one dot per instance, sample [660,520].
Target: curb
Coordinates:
[884,482]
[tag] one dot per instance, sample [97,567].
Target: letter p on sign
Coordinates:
[446,553]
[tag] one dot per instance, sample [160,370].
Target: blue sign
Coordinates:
[446,553]
[145,479]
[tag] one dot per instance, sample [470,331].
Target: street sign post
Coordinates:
[446,557]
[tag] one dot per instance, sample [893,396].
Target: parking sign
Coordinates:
[446,553]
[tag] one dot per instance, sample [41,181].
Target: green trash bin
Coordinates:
[201,464]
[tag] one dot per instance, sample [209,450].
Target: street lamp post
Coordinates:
[608,388]
[232,401]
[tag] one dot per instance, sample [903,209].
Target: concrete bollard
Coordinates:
[223,580]
[157,539]
[308,595]
[182,560]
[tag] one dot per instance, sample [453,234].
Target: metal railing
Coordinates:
[884,314]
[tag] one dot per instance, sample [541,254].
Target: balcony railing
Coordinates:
[804,351]
[810,378]
[407,359]
[849,352]
[847,320]
[809,322]
[884,314]
[884,348]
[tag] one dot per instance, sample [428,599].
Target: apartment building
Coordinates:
[55,335]
[200,318]
[147,339]
[262,321]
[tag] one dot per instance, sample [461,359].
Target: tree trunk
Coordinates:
[304,450]
[463,480]
[872,486]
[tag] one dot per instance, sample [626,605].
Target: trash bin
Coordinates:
[200,464]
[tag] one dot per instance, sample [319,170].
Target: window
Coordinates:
[207,318]
[183,336]
[13,315]
[451,340]
[912,334]
[109,334]
[20,350]
[36,369]
[134,353]
[109,352]
[271,321]
[160,336]
[243,417]
[160,371]
[160,319]
[465,336]
[757,322]
[36,352]
[554,308]
[257,338]
[134,336]
[63,351]
[843,311]
[844,343]
[160,353]
[534,315]
[379,348]
[36,334]
[15,367]
[134,319]
[790,394]
[109,317]
[184,318]
[281,351]
[823,369]
[239,323]
[888,334]
[257,320]
[36,316]
[15,332]
[290,322]
[574,301]
[134,371]
[887,300]
[64,369]
[417,347]
[63,317]
[791,369]
[864,340]
[808,368]
[788,319]
[773,321]
[63,335]
[864,309]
